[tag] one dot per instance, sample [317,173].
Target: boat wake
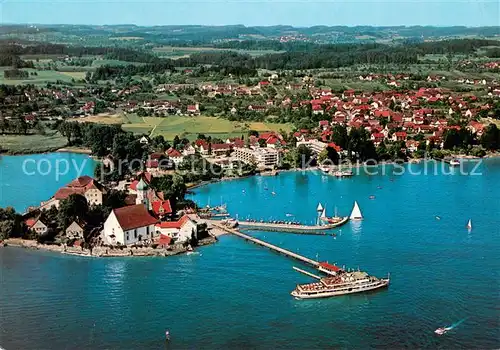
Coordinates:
[444,330]
[456,324]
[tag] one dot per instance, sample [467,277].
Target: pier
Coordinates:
[305,229]
[273,247]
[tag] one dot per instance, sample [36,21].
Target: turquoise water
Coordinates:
[28,180]
[236,295]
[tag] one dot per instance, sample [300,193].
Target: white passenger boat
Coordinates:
[341,284]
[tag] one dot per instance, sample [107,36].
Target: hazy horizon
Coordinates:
[297,13]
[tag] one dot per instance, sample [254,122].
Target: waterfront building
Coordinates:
[129,225]
[262,157]
[314,145]
[86,186]
[37,226]
[181,230]
[76,229]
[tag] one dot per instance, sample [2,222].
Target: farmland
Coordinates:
[17,144]
[181,52]
[190,127]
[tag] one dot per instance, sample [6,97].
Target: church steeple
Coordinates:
[142,193]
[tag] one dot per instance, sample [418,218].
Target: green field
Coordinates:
[31,143]
[42,77]
[180,52]
[190,127]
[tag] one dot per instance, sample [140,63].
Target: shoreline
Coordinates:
[104,252]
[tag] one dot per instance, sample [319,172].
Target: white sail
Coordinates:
[469,224]
[320,207]
[356,213]
[323,214]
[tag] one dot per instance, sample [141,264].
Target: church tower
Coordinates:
[142,194]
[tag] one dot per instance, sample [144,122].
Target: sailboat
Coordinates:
[356,212]
[469,225]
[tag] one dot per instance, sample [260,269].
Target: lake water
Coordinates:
[27,180]
[236,295]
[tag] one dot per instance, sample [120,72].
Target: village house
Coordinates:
[399,136]
[412,145]
[76,229]
[377,138]
[37,226]
[193,109]
[129,225]
[476,128]
[181,231]
[174,155]
[188,150]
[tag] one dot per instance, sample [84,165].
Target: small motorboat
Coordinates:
[455,162]
[442,330]
[438,218]
[273,193]
[372,197]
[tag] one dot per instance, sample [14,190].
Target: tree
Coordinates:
[490,139]
[176,142]
[329,154]
[11,223]
[339,136]
[72,208]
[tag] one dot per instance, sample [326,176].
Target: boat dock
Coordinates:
[304,229]
[273,247]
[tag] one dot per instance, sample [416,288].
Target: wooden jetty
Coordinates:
[310,229]
[273,247]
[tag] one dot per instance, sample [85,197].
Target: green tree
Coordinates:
[72,208]
[339,136]
[490,139]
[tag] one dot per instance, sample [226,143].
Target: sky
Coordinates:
[302,13]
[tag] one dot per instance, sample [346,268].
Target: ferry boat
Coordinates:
[340,284]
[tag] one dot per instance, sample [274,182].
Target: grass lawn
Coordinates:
[42,77]
[32,143]
[190,127]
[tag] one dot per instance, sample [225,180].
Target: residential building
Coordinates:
[261,157]
[85,186]
[314,145]
[129,225]
[182,230]
[76,229]
[174,155]
[37,226]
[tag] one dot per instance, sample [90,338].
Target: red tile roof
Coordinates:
[172,152]
[78,186]
[330,267]
[173,224]
[30,222]
[134,216]
[161,207]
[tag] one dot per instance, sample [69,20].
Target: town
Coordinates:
[162,125]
